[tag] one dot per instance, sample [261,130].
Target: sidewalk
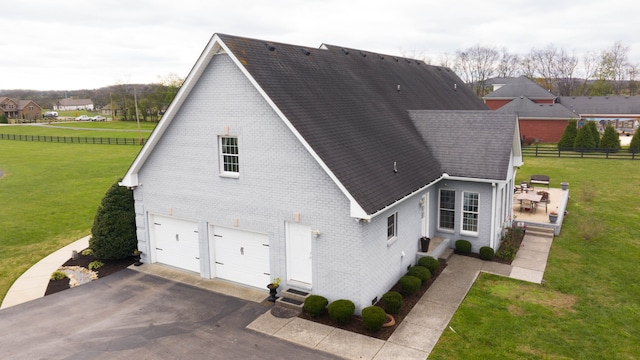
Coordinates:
[32,284]
[419,332]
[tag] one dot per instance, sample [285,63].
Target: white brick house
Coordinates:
[279,161]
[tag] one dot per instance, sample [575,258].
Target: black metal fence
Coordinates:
[554,151]
[74,139]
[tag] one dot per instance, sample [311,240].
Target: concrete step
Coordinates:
[540,231]
[446,254]
[292,298]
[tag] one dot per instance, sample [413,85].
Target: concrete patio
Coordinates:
[558,200]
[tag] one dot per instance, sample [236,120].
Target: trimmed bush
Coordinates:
[341,311]
[87,252]
[392,302]
[409,284]
[463,246]
[114,227]
[420,272]
[486,253]
[373,317]
[95,265]
[314,305]
[430,263]
[58,275]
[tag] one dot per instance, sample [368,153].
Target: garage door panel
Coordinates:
[241,256]
[175,242]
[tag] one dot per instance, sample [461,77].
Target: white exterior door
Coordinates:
[240,256]
[425,214]
[175,242]
[299,262]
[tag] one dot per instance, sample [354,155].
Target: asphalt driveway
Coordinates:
[138,316]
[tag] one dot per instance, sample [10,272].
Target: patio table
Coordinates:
[530,196]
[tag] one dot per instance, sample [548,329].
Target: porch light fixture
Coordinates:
[315,233]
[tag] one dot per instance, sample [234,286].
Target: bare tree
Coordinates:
[527,66]
[509,64]
[613,65]
[476,65]
[566,65]
[447,60]
[545,63]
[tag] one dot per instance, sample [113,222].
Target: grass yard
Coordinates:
[107,129]
[48,197]
[589,307]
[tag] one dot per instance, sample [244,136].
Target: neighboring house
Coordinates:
[107,110]
[510,88]
[20,109]
[543,122]
[73,104]
[623,112]
[322,167]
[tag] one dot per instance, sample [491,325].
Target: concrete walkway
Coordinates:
[420,330]
[414,338]
[32,284]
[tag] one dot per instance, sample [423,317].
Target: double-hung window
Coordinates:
[470,212]
[447,213]
[392,227]
[229,156]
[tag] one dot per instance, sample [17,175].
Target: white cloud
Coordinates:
[73,44]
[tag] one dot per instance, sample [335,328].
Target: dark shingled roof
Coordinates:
[453,138]
[526,108]
[520,86]
[351,107]
[589,105]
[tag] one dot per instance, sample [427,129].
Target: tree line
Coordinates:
[152,99]
[564,73]
[587,137]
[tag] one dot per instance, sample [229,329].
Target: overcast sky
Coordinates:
[80,44]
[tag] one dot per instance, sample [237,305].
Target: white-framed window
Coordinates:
[229,156]
[447,209]
[392,226]
[470,209]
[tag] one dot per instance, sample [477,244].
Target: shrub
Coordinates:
[486,253]
[58,275]
[392,302]
[94,265]
[634,146]
[341,310]
[86,252]
[420,272]
[430,263]
[314,305]
[409,284]
[114,227]
[610,140]
[373,317]
[569,135]
[463,246]
[510,243]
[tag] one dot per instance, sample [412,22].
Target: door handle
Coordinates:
[241,250]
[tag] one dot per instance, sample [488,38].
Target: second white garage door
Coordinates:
[240,256]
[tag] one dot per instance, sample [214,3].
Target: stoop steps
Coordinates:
[292,299]
[540,231]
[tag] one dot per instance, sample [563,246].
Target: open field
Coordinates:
[589,307]
[107,129]
[48,197]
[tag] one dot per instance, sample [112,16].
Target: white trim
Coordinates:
[440,228]
[462,212]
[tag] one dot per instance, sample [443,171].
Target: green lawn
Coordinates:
[589,307]
[108,129]
[48,197]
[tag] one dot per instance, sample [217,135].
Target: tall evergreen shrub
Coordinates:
[114,226]
[569,135]
[584,139]
[610,139]
[634,146]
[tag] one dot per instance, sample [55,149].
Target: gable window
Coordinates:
[392,226]
[470,212]
[447,213]
[229,156]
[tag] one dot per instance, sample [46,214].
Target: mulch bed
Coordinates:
[110,267]
[356,325]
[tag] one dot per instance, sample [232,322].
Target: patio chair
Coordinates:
[544,201]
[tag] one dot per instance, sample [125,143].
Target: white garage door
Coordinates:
[175,242]
[240,256]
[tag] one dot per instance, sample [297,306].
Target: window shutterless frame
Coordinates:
[229,156]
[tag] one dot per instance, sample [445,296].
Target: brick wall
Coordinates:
[548,131]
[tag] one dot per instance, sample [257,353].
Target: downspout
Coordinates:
[492,241]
